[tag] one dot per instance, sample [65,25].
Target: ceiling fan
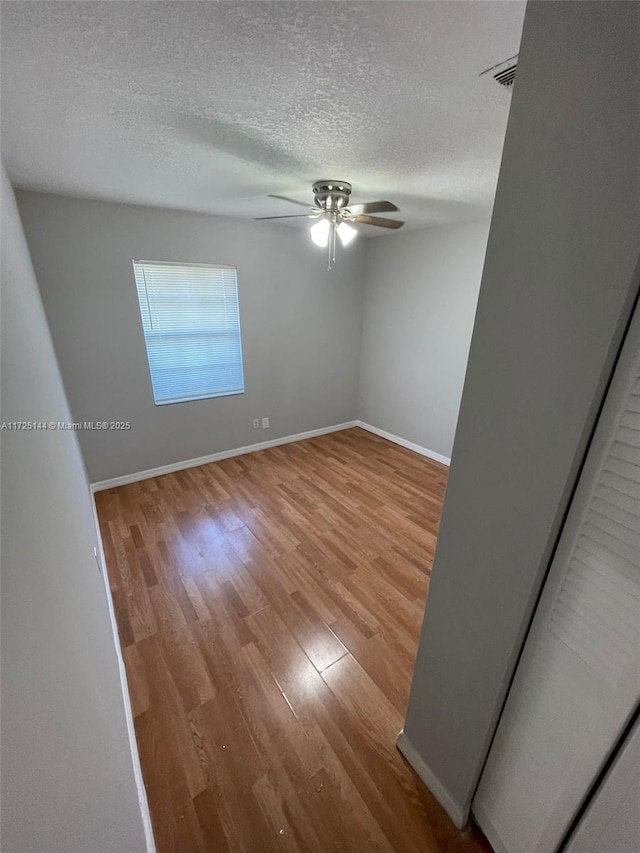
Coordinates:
[335,217]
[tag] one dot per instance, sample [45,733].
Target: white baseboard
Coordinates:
[417,448]
[489,831]
[216,457]
[457,813]
[143,802]
[263,445]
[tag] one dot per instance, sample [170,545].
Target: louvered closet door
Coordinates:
[579,676]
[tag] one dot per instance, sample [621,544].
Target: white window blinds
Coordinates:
[191,323]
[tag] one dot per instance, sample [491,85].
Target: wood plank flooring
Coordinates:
[269,608]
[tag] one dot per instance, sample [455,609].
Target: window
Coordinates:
[191,324]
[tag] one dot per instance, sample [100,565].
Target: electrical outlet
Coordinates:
[256,423]
[265,423]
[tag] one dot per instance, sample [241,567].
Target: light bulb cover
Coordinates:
[320,233]
[346,233]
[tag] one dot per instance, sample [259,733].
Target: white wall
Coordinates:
[67,775]
[556,292]
[301,327]
[420,301]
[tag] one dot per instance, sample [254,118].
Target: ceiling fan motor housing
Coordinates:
[331,195]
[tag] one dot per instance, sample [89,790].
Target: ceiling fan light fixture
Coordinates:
[320,233]
[346,233]
[334,216]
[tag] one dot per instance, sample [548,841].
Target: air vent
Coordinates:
[503,72]
[506,77]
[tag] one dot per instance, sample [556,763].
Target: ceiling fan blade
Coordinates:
[376,220]
[371,207]
[290,200]
[291,216]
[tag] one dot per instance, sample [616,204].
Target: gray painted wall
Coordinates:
[67,774]
[420,300]
[556,291]
[301,327]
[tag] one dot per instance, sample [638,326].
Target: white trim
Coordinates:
[417,448]
[216,457]
[488,830]
[458,814]
[133,744]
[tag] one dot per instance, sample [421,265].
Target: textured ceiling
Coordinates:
[210,106]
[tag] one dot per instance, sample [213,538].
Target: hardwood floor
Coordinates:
[269,608]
